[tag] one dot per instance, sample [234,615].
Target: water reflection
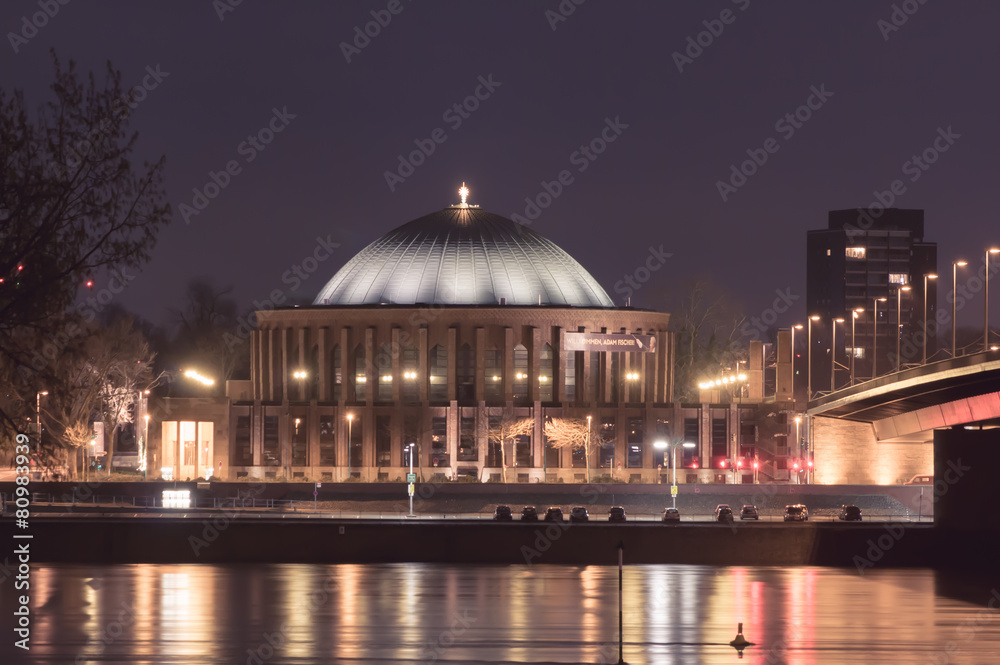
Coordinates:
[425,613]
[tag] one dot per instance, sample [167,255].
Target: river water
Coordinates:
[423,613]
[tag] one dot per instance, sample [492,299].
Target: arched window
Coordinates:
[439,373]
[520,373]
[493,369]
[545,375]
[409,365]
[336,373]
[360,378]
[383,364]
[466,374]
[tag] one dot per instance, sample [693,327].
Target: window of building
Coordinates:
[355,435]
[409,362]
[692,434]
[466,374]
[595,377]
[828,252]
[635,438]
[720,448]
[360,377]
[243,451]
[299,441]
[493,372]
[616,377]
[327,442]
[899,278]
[439,442]
[272,447]
[608,436]
[336,373]
[494,457]
[439,374]
[545,374]
[522,451]
[383,368]
[383,440]
[520,372]
[570,376]
[855,252]
[551,453]
[467,451]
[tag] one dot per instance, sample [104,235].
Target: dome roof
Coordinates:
[463,256]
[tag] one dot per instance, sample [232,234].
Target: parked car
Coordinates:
[554,515]
[529,514]
[503,514]
[850,513]
[796,513]
[920,480]
[723,513]
[616,514]
[671,515]
[748,512]
[579,514]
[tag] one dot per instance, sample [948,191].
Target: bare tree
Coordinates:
[572,433]
[205,330]
[507,427]
[73,207]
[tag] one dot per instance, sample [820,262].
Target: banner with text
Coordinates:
[614,342]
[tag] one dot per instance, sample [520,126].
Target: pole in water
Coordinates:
[621,554]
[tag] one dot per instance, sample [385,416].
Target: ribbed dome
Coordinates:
[463,256]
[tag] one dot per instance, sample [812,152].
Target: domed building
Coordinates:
[436,340]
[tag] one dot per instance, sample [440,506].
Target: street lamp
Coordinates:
[899,320]
[663,445]
[586,451]
[986,301]
[928,276]
[350,421]
[145,450]
[833,354]
[38,416]
[797,326]
[809,365]
[875,338]
[955,265]
[854,348]
[411,446]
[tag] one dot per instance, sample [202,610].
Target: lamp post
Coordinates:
[928,276]
[986,301]
[955,265]
[798,447]
[410,446]
[875,338]
[809,365]
[854,348]
[38,417]
[662,445]
[145,449]
[350,421]
[586,451]
[833,354]
[899,320]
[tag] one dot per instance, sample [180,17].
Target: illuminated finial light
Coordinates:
[464,193]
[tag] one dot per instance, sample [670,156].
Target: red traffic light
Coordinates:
[795,466]
[810,464]
[722,464]
[756,465]
[90,283]
[739,463]
[694,465]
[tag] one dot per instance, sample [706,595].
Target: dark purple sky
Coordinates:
[655,184]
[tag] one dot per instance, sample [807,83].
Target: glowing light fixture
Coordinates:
[203,380]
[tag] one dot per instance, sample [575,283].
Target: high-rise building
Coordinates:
[868,261]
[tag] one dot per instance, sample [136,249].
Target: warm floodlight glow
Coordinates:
[742,377]
[299,374]
[203,380]
[495,377]
[176,498]
[464,193]
[814,317]
[961,264]
[387,378]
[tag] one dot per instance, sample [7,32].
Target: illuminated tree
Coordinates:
[507,427]
[572,433]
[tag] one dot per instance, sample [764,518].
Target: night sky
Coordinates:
[606,67]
